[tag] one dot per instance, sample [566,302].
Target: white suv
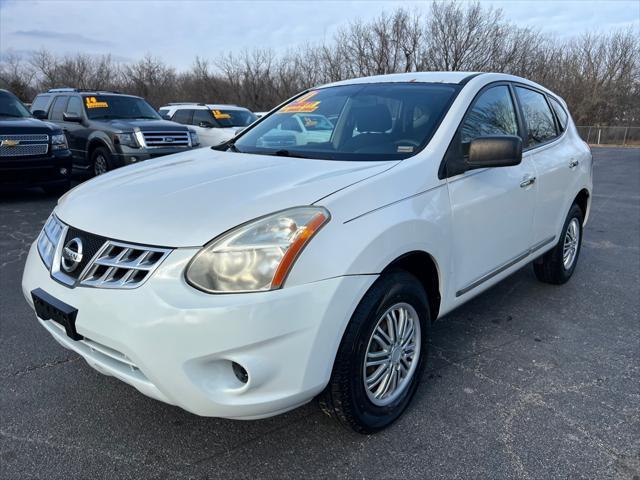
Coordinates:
[213,123]
[246,286]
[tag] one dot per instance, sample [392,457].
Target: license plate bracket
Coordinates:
[50,308]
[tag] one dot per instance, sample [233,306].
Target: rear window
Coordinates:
[561,113]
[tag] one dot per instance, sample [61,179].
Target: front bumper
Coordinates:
[50,169]
[177,344]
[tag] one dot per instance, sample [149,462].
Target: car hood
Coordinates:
[144,125]
[26,125]
[189,198]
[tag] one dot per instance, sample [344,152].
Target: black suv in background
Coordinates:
[106,130]
[32,152]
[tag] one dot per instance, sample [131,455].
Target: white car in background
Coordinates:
[245,281]
[214,123]
[297,129]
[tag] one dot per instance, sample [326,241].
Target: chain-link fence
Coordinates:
[610,135]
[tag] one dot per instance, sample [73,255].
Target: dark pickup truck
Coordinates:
[106,130]
[32,152]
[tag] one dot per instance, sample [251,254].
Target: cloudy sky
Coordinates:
[177,31]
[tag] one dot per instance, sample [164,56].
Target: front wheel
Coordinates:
[378,365]
[557,265]
[100,161]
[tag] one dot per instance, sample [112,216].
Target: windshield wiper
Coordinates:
[12,115]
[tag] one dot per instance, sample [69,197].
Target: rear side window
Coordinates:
[493,113]
[561,113]
[74,106]
[183,116]
[59,104]
[537,116]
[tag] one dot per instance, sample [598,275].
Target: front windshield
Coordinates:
[103,107]
[378,121]
[233,118]
[10,106]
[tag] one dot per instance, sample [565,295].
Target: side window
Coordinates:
[59,104]
[74,106]
[493,113]
[537,116]
[183,116]
[41,102]
[561,113]
[203,116]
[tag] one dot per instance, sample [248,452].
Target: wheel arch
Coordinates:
[424,267]
[583,200]
[95,142]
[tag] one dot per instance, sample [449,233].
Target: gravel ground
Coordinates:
[526,381]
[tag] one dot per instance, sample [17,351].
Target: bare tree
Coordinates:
[597,74]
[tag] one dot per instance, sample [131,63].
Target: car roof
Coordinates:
[459,78]
[422,77]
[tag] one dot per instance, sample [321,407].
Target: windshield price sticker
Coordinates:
[217,114]
[92,102]
[302,105]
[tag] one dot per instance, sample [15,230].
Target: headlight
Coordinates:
[195,141]
[59,142]
[49,238]
[258,255]
[126,139]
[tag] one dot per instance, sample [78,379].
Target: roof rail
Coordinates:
[80,90]
[187,103]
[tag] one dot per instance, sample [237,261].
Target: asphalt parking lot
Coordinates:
[526,381]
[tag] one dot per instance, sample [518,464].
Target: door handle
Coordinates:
[527,181]
[574,163]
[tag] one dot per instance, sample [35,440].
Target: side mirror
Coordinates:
[498,151]
[205,125]
[71,117]
[39,114]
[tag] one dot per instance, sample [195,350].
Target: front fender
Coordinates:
[370,242]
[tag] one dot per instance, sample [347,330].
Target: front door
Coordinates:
[492,208]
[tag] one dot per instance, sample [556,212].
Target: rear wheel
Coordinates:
[557,265]
[100,161]
[378,365]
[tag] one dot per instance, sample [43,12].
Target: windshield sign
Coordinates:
[102,107]
[379,121]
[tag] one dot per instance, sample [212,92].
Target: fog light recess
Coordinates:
[63,171]
[240,373]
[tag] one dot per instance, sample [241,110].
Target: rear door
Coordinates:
[493,208]
[553,160]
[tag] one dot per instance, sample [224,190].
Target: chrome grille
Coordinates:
[122,265]
[28,145]
[167,139]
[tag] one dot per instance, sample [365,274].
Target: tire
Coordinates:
[346,398]
[551,267]
[58,189]
[100,161]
